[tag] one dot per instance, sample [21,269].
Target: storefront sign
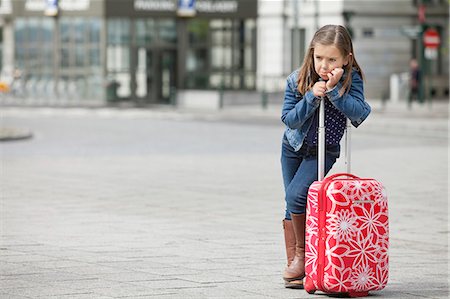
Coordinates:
[181,8]
[225,6]
[154,5]
[51,10]
[5,7]
[35,5]
[74,5]
[186,8]
[50,5]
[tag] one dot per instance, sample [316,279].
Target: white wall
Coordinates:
[315,14]
[386,52]
[275,21]
[8,52]
[271,44]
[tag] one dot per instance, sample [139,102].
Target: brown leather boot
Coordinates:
[289,240]
[295,272]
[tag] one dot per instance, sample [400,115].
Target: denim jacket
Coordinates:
[298,108]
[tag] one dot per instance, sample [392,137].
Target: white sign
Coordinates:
[74,5]
[225,6]
[67,5]
[431,53]
[5,7]
[186,8]
[154,5]
[35,5]
[204,6]
[52,8]
[411,31]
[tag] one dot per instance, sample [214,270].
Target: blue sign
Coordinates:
[186,8]
[51,8]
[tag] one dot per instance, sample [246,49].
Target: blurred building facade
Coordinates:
[137,50]
[150,51]
[386,35]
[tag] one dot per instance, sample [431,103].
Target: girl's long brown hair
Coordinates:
[339,37]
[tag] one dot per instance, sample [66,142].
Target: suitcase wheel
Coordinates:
[358,294]
[309,285]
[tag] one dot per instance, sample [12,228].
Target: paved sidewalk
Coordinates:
[112,203]
[392,118]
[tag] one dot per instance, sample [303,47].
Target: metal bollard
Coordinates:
[173,95]
[264,99]
[221,92]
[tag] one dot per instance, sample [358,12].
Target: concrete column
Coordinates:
[8,48]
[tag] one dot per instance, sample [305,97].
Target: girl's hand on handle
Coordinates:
[334,77]
[319,89]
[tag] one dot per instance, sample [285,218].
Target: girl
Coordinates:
[329,71]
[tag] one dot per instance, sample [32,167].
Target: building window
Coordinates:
[145,31]
[76,56]
[1,48]
[167,31]
[298,47]
[221,54]
[34,54]
[118,58]
[198,32]
[153,63]
[80,63]
[34,39]
[198,54]
[367,32]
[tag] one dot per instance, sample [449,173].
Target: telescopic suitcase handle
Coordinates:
[321,141]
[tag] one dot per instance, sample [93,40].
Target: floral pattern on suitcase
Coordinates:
[357,236]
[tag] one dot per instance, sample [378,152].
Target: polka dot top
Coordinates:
[335,122]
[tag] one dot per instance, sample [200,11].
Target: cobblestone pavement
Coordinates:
[110,203]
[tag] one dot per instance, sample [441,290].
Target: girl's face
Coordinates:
[327,58]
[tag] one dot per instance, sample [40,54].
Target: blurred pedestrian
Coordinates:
[17,82]
[329,71]
[414,81]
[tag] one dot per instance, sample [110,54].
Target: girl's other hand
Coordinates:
[334,77]
[319,89]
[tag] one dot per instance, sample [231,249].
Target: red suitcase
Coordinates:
[347,231]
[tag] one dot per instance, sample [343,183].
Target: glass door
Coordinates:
[155,75]
[145,75]
[166,81]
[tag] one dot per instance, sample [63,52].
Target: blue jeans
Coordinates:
[300,171]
